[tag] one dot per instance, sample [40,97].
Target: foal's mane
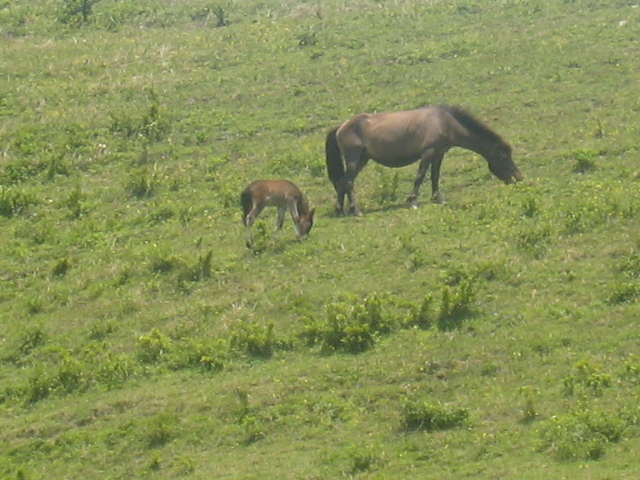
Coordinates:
[473,124]
[303,205]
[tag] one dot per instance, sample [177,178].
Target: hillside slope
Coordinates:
[492,336]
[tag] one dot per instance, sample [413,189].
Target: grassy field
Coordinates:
[493,336]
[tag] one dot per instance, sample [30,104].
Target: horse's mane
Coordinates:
[473,124]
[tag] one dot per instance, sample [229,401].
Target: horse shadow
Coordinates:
[381,209]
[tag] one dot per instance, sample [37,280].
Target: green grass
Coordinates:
[490,337]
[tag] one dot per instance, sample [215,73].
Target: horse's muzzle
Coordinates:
[514,177]
[517,176]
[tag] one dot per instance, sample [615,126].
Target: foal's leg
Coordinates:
[253,214]
[250,219]
[295,216]
[281,211]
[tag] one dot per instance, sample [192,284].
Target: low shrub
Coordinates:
[61,267]
[387,187]
[630,264]
[70,374]
[624,292]
[259,238]
[581,435]
[534,239]
[529,412]
[361,459]
[585,160]
[153,346]
[206,355]
[142,183]
[424,315]
[586,378]
[200,270]
[75,12]
[255,340]
[114,370]
[13,201]
[31,339]
[74,202]
[348,327]
[457,304]
[421,415]
[160,429]
[152,126]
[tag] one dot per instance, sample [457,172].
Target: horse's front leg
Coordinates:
[430,158]
[436,163]
[422,172]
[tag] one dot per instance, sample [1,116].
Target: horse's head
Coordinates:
[306,222]
[501,164]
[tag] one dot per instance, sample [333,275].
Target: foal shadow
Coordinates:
[271,244]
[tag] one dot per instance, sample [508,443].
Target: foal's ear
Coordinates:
[312,212]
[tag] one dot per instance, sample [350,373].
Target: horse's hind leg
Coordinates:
[348,183]
[340,201]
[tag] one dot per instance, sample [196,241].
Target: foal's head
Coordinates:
[306,222]
[501,164]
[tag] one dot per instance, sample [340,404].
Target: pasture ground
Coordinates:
[493,336]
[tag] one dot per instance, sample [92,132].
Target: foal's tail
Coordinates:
[335,165]
[246,199]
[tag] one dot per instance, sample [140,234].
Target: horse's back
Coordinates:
[393,136]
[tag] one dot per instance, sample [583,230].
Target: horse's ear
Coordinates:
[312,212]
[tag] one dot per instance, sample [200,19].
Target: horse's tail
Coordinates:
[246,199]
[335,165]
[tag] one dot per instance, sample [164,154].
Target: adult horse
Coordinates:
[397,139]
